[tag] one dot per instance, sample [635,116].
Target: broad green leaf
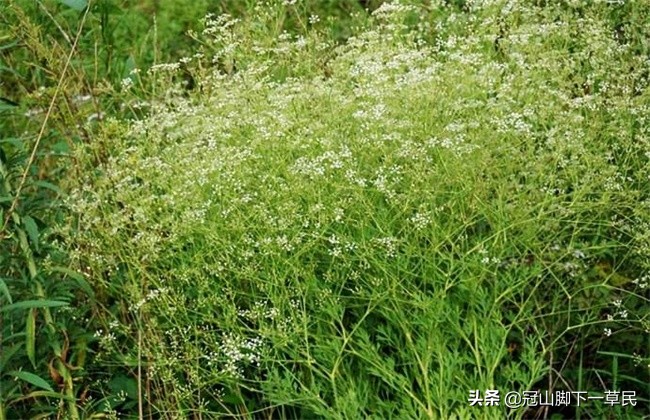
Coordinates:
[30,336]
[32,230]
[122,383]
[29,304]
[83,284]
[5,290]
[32,379]
[78,5]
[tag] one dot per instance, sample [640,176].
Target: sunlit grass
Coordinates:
[294,222]
[378,228]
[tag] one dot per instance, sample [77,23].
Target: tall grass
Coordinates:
[309,211]
[452,200]
[49,312]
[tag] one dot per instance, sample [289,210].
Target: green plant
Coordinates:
[379,227]
[43,346]
[299,210]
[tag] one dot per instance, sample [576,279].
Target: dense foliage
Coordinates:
[303,219]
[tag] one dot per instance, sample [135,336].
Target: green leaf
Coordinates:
[4,106]
[612,353]
[78,5]
[83,284]
[49,186]
[7,354]
[10,70]
[32,379]
[30,336]
[122,383]
[29,304]
[50,394]
[5,290]
[9,45]
[129,65]
[16,142]
[61,147]
[8,101]
[32,230]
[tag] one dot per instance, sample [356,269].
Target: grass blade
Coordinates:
[49,394]
[5,290]
[81,281]
[32,230]
[49,186]
[32,379]
[30,336]
[29,304]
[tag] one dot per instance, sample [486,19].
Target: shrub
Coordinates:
[452,200]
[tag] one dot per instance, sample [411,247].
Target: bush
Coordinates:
[454,199]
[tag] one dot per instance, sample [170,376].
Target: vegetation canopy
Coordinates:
[294,222]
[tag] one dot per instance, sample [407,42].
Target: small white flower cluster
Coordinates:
[326,298]
[386,179]
[108,338]
[218,25]
[620,311]
[235,352]
[622,316]
[164,67]
[457,144]
[642,282]
[486,259]
[151,296]
[320,165]
[260,310]
[391,10]
[421,220]
[338,248]
[127,83]
[515,122]
[388,244]
[287,156]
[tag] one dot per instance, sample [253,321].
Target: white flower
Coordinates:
[127,82]
[578,254]
[420,220]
